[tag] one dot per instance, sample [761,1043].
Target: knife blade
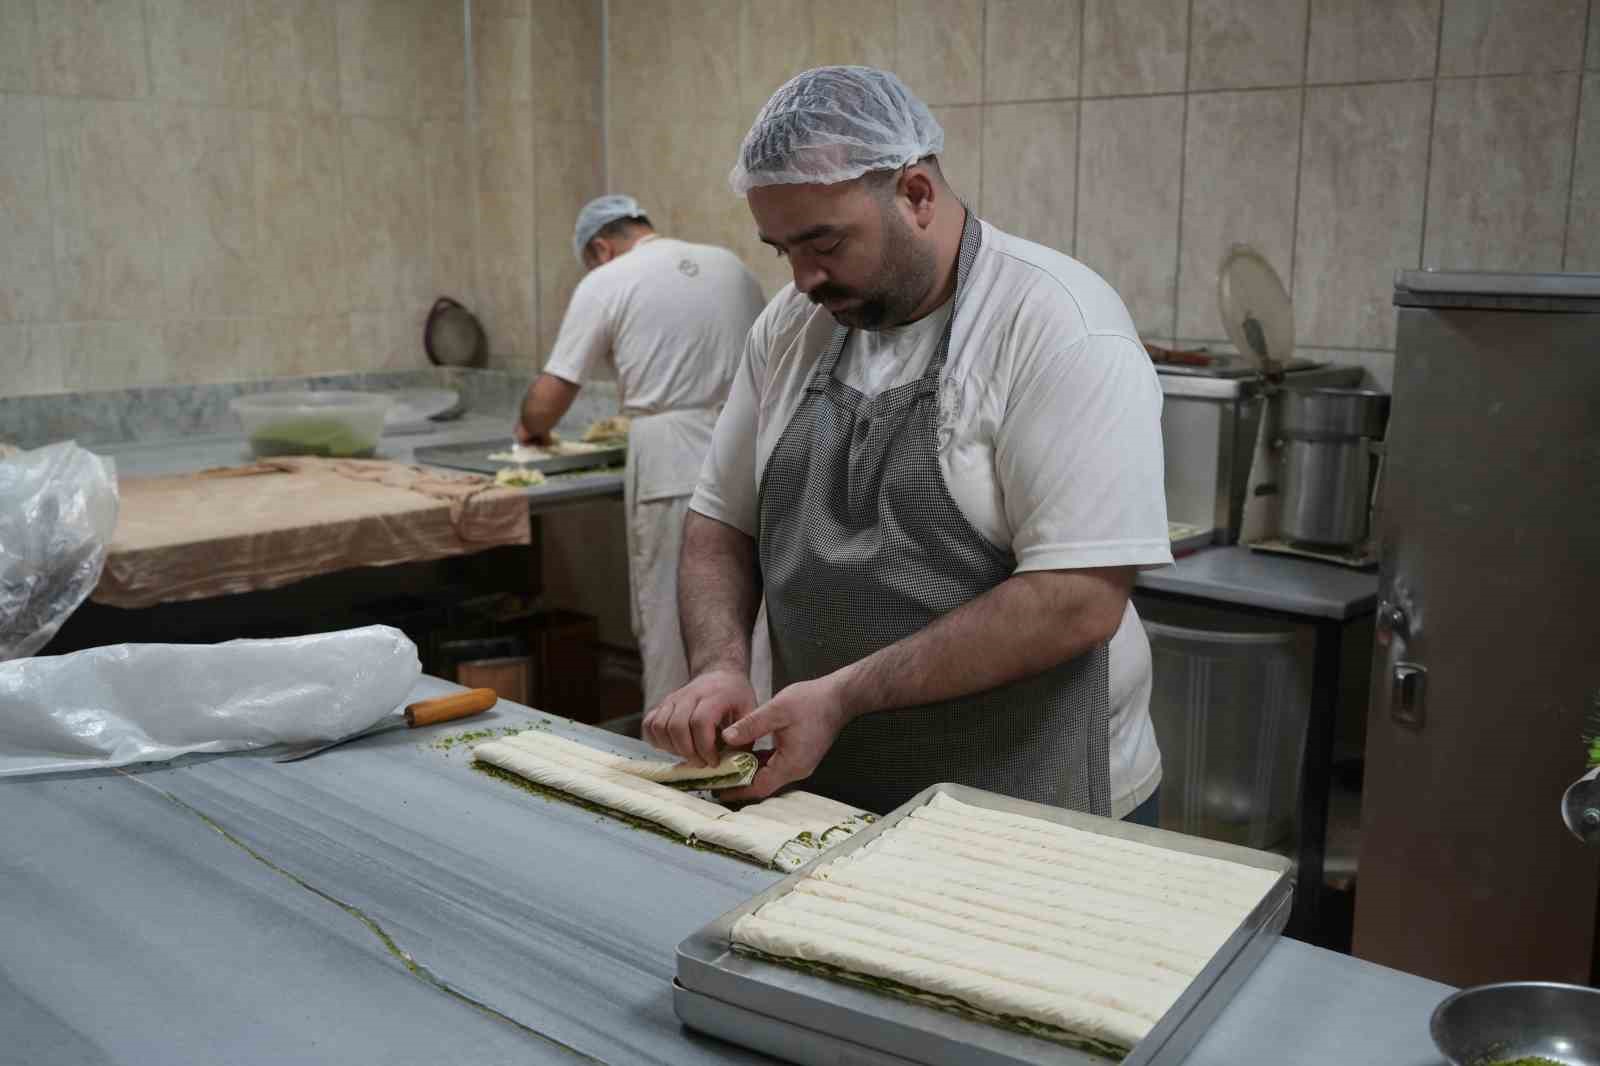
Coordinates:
[423,712]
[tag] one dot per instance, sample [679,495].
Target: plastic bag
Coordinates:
[58,509]
[147,702]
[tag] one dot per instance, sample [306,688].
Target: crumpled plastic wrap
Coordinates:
[58,510]
[130,703]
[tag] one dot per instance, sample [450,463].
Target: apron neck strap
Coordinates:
[971,242]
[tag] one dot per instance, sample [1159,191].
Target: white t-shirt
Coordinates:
[1050,435]
[667,317]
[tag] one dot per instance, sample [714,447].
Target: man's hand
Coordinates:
[803,719]
[687,722]
[520,432]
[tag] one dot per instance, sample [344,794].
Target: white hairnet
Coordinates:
[599,213]
[833,124]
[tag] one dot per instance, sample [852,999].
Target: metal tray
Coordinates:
[474,456]
[742,994]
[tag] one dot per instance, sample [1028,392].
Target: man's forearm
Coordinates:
[546,402]
[1027,624]
[718,595]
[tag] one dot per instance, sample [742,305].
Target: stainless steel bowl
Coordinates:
[1496,1023]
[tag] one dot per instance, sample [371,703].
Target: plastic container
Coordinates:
[335,424]
[1230,712]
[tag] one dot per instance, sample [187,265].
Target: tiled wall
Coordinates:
[215,190]
[1343,138]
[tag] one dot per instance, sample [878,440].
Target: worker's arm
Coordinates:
[1027,624]
[546,402]
[718,595]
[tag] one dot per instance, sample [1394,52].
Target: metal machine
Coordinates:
[1488,654]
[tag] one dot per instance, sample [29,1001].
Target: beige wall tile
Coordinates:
[1511,36]
[775,44]
[384,235]
[379,46]
[388,340]
[297,207]
[674,58]
[1128,195]
[1362,176]
[962,158]
[505,9]
[505,269]
[502,60]
[1379,366]
[206,350]
[441,60]
[293,347]
[565,45]
[106,178]
[634,159]
[1498,181]
[17,47]
[198,51]
[1031,49]
[451,217]
[208,221]
[939,49]
[1372,40]
[1134,46]
[1239,188]
[1239,44]
[1030,170]
[90,48]
[104,355]
[850,32]
[27,369]
[1583,222]
[568,173]
[1593,60]
[292,53]
[27,238]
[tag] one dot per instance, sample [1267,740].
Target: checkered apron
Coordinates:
[862,545]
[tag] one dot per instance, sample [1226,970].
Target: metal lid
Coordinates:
[1487,290]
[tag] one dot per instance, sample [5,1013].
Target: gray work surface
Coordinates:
[383,902]
[155,459]
[1271,582]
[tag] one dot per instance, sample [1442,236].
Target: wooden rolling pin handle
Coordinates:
[446,708]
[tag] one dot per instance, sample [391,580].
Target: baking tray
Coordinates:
[735,996]
[474,456]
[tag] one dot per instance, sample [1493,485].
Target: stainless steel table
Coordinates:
[384,902]
[1297,591]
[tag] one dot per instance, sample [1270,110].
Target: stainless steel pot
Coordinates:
[1327,461]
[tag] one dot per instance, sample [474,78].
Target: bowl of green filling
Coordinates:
[332,423]
[1520,1023]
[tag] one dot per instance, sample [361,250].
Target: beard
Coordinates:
[906,271]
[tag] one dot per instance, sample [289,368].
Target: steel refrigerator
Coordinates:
[1488,653]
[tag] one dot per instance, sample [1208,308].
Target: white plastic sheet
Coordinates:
[131,703]
[58,510]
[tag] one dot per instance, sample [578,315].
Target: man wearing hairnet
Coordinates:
[941,464]
[668,320]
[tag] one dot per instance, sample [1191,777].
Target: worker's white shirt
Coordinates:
[668,317]
[1050,435]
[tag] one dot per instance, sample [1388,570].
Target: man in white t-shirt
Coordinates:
[941,464]
[668,320]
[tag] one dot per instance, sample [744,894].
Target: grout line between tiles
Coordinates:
[1300,156]
[1077,137]
[1183,164]
[1577,130]
[1433,117]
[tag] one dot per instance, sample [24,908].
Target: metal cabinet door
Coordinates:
[1490,526]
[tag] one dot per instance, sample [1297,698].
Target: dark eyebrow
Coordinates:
[804,235]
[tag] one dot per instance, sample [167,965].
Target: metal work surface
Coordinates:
[474,455]
[385,902]
[1274,583]
[707,964]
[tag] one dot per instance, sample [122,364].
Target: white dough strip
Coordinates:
[562,749]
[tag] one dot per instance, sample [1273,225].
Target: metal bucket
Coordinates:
[1327,462]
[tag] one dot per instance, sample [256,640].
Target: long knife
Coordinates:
[423,712]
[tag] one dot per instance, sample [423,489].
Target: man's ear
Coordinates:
[921,192]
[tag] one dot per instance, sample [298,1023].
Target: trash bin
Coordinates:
[1230,712]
